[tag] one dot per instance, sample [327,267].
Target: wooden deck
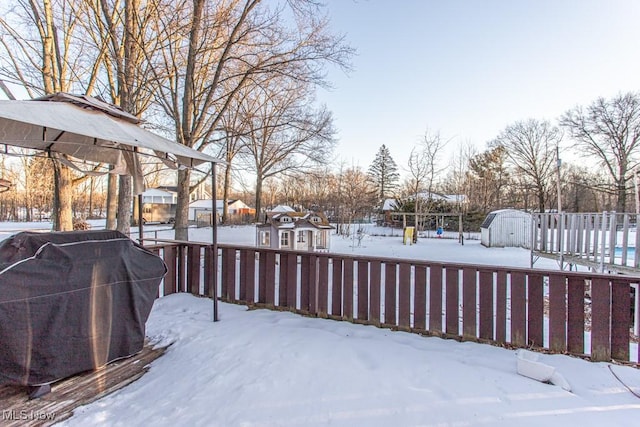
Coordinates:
[68,394]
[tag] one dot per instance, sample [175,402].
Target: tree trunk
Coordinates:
[540,199]
[90,197]
[112,201]
[258,197]
[225,193]
[621,188]
[124,205]
[182,207]
[62,216]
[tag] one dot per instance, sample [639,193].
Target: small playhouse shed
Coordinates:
[506,228]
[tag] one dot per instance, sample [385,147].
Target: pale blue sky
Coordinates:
[470,68]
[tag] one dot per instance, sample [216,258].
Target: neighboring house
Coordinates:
[200,210]
[159,205]
[300,231]
[198,193]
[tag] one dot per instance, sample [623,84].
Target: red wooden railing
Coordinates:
[507,306]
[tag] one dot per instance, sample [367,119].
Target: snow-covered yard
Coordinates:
[267,368]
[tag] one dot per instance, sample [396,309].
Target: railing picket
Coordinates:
[347,310]
[469,303]
[375,292]
[228,274]
[336,287]
[363,290]
[193,270]
[518,309]
[270,279]
[501,306]
[535,311]
[452,292]
[390,283]
[435,297]
[262,277]
[620,320]
[404,295]
[420,298]
[283,283]
[170,278]
[313,284]
[486,305]
[182,285]
[250,276]
[208,271]
[304,282]
[600,319]
[323,285]
[292,281]
[557,313]
[575,315]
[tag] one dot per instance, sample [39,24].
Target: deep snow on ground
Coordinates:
[266,368]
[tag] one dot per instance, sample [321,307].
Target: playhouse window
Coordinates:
[301,236]
[265,238]
[284,240]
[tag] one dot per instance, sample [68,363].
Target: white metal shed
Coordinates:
[506,228]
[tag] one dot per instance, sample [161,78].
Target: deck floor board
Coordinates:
[70,393]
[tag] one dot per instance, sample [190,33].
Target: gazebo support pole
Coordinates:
[214,237]
[140,226]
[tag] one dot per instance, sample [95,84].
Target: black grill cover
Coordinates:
[72,302]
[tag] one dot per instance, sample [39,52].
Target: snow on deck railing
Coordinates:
[579,313]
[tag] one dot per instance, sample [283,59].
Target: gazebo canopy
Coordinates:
[87,129]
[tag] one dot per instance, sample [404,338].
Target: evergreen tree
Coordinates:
[383,173]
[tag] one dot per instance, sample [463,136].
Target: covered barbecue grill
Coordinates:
[72,302]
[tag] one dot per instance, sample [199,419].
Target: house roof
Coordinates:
[206,204]
[169,188]
[389,205]
[158,192]
[282,208]
[299,220]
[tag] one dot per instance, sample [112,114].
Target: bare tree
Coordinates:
[488,177]
[530,147]
[120,35]
[609,130]
[430,148]
[456,181]
[418,173]
[286,134]
[357,192]
[41,52]
[233,133]
[432,145]
[227,44]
